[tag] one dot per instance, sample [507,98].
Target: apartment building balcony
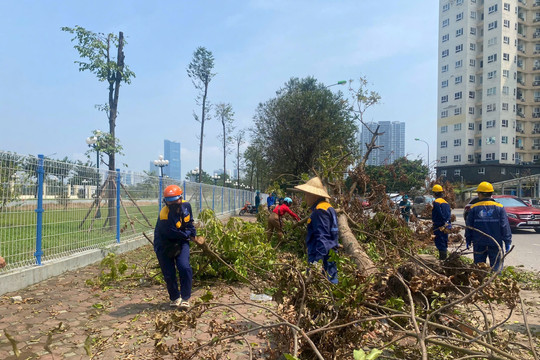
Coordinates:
[536,67]
[536,83]
[522,82]
[536,115]
[536,131]
[536,147]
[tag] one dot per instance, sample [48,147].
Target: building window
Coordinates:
[472,46]
[459,32]
[491,91]
[444,144]
[459,16]
[490,140]
[458,95]
[473,14]
[457,158]
[491,58]
[459,48]
[458,79]
[492,9]
[470,158]
[457,127]
[506,40]
[444,128]
[444,114]
[473,31]
[504,140]
[445,38]
[457,111]
[444,83]
[504,156]
[472,78]
[506,57]
[505,5]
[470,142]
[443,172]
[490,124]
[492,41]
[492,74]
[457,142]
[506,90]
[471,110]
[471,126]
[506,73]
[446,7]
[445,22]
[443,159]
[459,63]
[506,23]
[490,156]
[505,106]
[446,52]
[444,68]
[457,172]
[472,62]
[492,25]
[503,170]
[482,170]
[490,108]
[444,98]
[471,94]
[504,123]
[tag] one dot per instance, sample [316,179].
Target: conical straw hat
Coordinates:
[313,186]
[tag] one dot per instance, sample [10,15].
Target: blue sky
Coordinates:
[47,105]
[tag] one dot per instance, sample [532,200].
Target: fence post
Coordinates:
[118,206]
[213,197]
[185,194]
[200,197]
[39,210]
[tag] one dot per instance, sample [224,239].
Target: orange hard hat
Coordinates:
[172,193]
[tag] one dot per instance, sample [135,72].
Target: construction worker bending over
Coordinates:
[440,215]
[275,220]
[488,216]
[173,232]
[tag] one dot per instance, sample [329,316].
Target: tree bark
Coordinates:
[352,248]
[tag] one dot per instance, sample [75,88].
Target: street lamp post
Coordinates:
[92,142]
[341,82]
[215,177]
[161,163]
[428,164]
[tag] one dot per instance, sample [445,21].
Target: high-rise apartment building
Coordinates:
[171,152]
[488,122]
[391,143]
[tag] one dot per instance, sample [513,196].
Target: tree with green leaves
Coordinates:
[225,113]
[96,51]
[403,175]
[304,120]
[200,72]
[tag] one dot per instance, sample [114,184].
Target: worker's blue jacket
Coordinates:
[440,215]
[489,217]
[174,226]
[322,231]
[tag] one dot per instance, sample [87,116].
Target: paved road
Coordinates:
[526,252]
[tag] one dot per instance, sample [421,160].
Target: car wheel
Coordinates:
[537,230]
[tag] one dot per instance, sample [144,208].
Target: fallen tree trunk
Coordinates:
[352,248]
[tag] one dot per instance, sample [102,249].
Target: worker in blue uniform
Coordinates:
[322,229]
[489,217]
[172,235]
[440,215]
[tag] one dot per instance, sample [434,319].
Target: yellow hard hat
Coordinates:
[437,188]
[485,187]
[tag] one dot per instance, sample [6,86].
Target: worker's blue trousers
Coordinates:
[168,268]
[482,252]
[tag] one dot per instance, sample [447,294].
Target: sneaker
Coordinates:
[184,305]
[176,303]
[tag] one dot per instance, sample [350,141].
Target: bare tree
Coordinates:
[238,140]
[200,72]
[226,114]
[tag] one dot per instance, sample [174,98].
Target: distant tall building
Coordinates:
[488,120]
[171,152]
[391,143]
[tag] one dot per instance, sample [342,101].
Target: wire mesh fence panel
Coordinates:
[17,205]
[51,209]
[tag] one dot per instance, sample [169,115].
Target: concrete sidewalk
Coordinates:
[54,318]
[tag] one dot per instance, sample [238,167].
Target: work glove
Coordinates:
[448,226]
[506,247]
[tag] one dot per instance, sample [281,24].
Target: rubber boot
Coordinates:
[443,255]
